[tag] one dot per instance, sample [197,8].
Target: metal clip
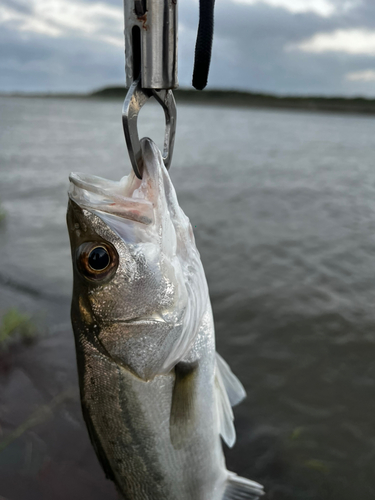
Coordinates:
[151,70]
[151,43]
[135,99]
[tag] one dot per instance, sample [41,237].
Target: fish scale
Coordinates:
[131,419]
[155,395]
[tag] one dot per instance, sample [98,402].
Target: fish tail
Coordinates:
[239,488]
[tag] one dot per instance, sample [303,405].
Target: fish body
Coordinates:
[156,397]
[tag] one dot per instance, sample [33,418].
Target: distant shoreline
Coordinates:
[232,98]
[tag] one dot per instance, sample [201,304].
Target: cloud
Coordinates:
[323,8]
[54,18]
[282,46]
[367,75]
[349,41]
[34,62]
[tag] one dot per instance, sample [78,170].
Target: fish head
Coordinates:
[139,287]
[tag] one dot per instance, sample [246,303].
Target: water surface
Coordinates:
[283,208]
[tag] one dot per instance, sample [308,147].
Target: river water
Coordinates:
[283,208]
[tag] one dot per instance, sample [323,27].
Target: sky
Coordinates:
[319,47]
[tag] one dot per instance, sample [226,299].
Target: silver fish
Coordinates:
[155,395]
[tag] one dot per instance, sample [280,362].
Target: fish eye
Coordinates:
[97,261]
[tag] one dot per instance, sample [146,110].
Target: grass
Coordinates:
[16,326]
[2,213]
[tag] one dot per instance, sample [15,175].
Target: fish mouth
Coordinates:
[116,198]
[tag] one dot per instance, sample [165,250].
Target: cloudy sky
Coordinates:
[284,46]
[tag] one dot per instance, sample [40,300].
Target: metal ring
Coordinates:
[134,100]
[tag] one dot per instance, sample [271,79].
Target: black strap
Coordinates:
[203,46]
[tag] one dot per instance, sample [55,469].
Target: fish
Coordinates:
[156,396]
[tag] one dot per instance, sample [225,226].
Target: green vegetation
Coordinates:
[218,97]
[299,444]
[2,213]
[296,433]
[256,100]
[16,326]
[317,465]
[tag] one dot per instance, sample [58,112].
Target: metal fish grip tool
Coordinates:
[151,70]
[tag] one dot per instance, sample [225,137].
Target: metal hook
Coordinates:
[135,99]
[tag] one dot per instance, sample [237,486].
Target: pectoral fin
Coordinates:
[183,417]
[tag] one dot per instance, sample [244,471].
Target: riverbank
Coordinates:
[234,98]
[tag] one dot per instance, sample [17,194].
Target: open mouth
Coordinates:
[110,197]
